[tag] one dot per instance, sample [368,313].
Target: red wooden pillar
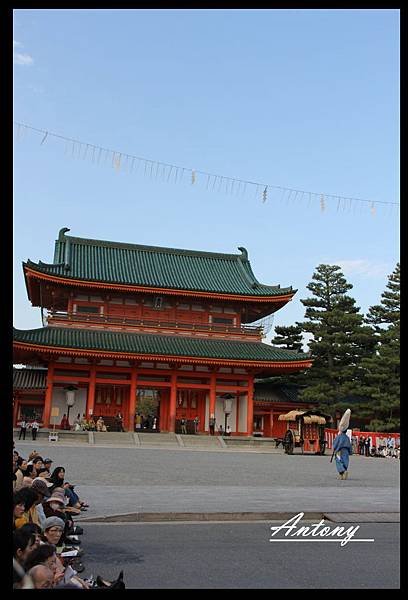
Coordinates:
[90,401]
[48,395]
[173,402]
[15,410]
[132,399]
[237,419]
[250,406]
[213,394]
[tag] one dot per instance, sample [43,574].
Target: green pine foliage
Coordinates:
[339,339]
[380,376]
[290,337]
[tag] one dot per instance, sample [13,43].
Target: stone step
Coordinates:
[67,436]
[113,437]
[200,440]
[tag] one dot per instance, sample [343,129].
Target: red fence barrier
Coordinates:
[378,438]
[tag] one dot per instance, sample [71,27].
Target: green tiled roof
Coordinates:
[29,379]
[148,344]
[152,266]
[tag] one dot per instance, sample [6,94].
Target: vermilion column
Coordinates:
[173,402]
[250,406]
[270,423]
[15,410]
[213,394]
[90,402]
[48,395]
[132,399]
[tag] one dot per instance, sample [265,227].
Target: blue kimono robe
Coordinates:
[342,448]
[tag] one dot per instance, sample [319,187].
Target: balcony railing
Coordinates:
[251,330]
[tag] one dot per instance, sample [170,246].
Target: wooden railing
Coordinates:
[126,322]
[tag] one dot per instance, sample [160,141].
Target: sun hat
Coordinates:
[60,493]
[40,486]
[56,499]
[53,522]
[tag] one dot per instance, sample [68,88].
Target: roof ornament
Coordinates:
[62,233]
[244,252]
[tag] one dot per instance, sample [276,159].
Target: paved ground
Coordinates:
[131,480]
[238,555]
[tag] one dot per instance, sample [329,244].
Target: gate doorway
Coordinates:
[191,404]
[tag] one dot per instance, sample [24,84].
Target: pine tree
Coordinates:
[380,373]
[388,311]
[339,338]
[289,337]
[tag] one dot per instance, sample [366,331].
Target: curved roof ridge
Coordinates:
[146,248]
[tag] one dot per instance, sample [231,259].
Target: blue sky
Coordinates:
[305,99]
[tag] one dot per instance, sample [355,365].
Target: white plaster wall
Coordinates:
[220,415]
[207,412]
[58,400]
[242,422]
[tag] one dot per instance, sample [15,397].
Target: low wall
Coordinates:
[378,438]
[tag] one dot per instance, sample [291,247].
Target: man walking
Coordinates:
[23,429]
[342,446]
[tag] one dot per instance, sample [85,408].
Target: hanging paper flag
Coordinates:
[372,210]
[193,177]
[264,194]
[322,204]
[116,161]
[44,138]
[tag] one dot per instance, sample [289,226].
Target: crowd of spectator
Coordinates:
[386,446]
[46,539]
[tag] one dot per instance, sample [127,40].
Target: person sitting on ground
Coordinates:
[40,487]
[47,463]
[46,555]
[57,478]
[53,534]
[38,464]
[30,514]
[24,542]
[99,424]
[18,507]
[32,455]
[29,475]
[42,577]
[35,530]
[21,466]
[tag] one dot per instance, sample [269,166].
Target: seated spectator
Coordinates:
[29,475]
[38,464]
[42,577]
[35,530]
[32,455]
[57,478]
[42,491]
[30,514]
[46,555]
[20,468]
[47,464]
[18,507]
[24,542]
[53,529]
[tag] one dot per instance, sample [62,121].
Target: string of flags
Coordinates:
[167,172]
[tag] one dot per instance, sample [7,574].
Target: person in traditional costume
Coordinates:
[342,446]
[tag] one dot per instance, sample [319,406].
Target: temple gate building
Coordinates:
[124,321]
